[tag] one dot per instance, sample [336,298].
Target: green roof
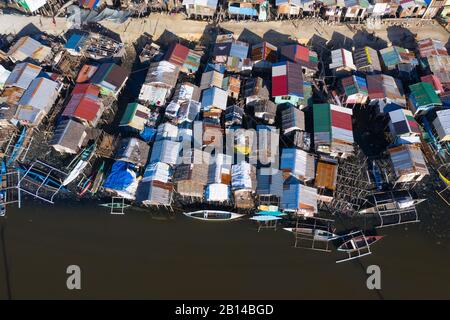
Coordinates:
[322,117]
[423,94]
[129,113]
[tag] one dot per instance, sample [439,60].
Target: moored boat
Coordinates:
[213,215]
[358,243]
[319,235]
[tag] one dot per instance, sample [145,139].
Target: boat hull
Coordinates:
[213,215]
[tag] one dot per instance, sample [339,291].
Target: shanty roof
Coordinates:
[423,94]
[264,109]
[442,124]
[302,55]
[132,150]
[226,45]
[403,122]
[326,175]
[157,171]
[84,103]
[440,67]
[287,79]
[162,72]
[22,75]
[220,169]
[270,182]
[434,81]
[382,86]
[183,57]
[86,73]
[341,58]
[431,47]
[299,197]
[354,85]
[135,116]
[264,51]
[68,134]
[292,119]
[233,115]
[41,94]
[26,48]
[408,159]
[110,76]
[186,91]
[366,59]
[165,151]
[243,176]
[394,55]
[214,98]
[211,78]
[332,122]
[298,162]
[217,192]
[255,87]
[154,192]
[36,100]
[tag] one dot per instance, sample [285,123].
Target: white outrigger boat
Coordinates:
[319,235]
[213,215]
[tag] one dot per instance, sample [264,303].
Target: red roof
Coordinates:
[86,89]
[84,103]
[279,86]
[177,54]
[341,120]
[302,53]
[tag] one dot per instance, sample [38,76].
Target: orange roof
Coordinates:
[326,175]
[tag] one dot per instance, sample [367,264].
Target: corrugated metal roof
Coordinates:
[287,79]
[423,94]
[214,98]
[166,151]
[300,163]
[41,94]
[27,47]
[408,159]
[442,124]
[22,75]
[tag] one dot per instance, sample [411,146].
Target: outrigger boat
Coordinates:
[98,178]
[319,235]
[116,205]
[81,164]
[358,243]
[213,215]
[17,146]
[41,177]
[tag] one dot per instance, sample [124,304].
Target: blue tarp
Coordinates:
[120,178]
[75,42]
[215,66]
[148,134]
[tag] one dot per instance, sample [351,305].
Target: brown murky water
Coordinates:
[137,256]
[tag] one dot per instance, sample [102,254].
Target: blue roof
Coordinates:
[75,41]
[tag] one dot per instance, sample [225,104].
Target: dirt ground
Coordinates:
[170,27]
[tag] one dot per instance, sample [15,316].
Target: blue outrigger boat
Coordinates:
[41,177]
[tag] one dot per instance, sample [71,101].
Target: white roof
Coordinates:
[217,192]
